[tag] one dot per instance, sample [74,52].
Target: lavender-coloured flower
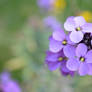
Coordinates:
[52,23]
[78,26]
[7,84]
[82,62]
[45,4]
[58,60]
[59,41]
[54,60]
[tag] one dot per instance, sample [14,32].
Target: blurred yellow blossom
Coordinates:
[59,4]
[87,15]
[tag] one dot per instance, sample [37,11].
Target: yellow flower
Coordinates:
[87,15]
[59,4]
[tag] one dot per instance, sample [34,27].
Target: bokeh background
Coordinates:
[24,40]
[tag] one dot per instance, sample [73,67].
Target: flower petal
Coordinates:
[43,4]
[83,69]
[87,27]
[89,56]
[71,73]
[69,24]
[90,69]
[72,64]
[81,50]
[69,41]
[52,23]
[59,35]
[12,86]
[76,36]
[63,67]
[79,21]
[53,66]
[64,71]
[69,51]
[55,46]
[52,57]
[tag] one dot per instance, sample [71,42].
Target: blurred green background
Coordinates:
[24,40]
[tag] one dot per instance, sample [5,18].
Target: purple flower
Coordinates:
[77,26]
[58,60]
[81,62]
[54,60]
[73,51]
[52,23]
[45,4]
[59,41]
[7,84]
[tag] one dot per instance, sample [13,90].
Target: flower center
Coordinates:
[82,59]
[60,59]
[78,29]
[65,58]
[64,42]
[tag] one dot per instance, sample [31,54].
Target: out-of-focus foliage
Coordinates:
[24,40]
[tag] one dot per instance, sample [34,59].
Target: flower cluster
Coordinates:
[7,84]
[71,52]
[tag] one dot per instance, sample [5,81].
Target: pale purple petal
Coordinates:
[83,69]
[63,66]
[90,69]
[52,23]
[76,36]
[89,56]
[72,64]
[44,4]
[69,41]
[65,69]
[59,35]
[79,21]
[87,27]
[52,57]
[71,73]
[81,50]
[69,51]
[53,66]
[5,77]
[8,84]
[55,46]
[69,24]
[12,87]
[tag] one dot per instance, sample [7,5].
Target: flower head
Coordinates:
[59,40]
[78,26]
[44,4]
[7,84]
[54,60]
[81,61]
[71,52]
[58,60]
